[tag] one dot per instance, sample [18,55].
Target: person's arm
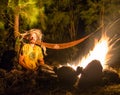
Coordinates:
[40,57]
[21,59]
[41,61]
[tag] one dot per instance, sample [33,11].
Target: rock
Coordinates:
[110,76]
[67,75]
[92,75]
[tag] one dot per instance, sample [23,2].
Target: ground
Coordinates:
[16,82]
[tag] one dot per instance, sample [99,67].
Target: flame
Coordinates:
[100,52]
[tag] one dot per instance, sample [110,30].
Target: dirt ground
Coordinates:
[18,82]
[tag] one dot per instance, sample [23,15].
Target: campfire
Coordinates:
[95,64]
[101,52]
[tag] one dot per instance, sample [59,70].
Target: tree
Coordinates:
[25,14]
[98,12]
[2,9]
[28,10]
[63,19]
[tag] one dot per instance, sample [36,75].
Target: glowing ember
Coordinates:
[100,52]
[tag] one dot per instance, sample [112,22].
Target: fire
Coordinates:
[99,52]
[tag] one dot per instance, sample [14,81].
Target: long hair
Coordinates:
[38,33]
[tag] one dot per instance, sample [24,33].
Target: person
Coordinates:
[31,55]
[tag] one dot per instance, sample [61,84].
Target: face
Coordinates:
[33,38]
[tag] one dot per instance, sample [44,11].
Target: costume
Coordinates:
[31,56]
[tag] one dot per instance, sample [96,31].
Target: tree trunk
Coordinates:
[16,29]
[16,24]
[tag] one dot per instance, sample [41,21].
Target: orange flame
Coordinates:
[100,52]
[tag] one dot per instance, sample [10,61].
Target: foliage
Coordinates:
[90,13]
[2,10]
[63,19]
[29,10]
[99,12]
